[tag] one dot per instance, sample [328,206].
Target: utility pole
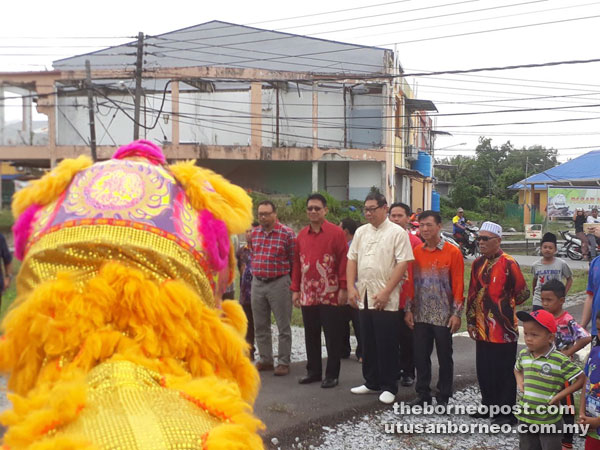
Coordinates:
[90,96]
[345,118]
[276,115]
[525,203]
[138,85]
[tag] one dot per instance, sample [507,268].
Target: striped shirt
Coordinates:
[544,377]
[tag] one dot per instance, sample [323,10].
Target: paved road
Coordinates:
[290,410]
[529,260]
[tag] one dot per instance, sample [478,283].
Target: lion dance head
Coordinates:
[117,338]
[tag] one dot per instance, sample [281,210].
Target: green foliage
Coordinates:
[6,219]
[291,210]
[465,194]
[374,190]
[480,182]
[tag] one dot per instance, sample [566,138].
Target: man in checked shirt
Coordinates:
[272,261]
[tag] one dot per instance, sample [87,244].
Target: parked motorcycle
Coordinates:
[449,238]
[572,246]
[471,246]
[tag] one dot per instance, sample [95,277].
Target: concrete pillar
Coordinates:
[315,176]
[27,123]
[175,112]
[2,130]
[384,184]
[52,136]
[256,115]
[315,116]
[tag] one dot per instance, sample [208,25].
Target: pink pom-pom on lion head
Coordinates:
[142,148]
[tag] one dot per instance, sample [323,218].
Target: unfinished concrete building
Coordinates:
[273,112]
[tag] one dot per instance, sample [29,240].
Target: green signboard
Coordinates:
[563,201]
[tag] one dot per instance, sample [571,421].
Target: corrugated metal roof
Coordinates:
[582,170]
[415,104]
[225,44]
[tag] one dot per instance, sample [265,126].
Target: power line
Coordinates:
[45,38]
[314,34]
[463,22]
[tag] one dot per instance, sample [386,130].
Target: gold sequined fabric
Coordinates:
[81,250]
[128,408]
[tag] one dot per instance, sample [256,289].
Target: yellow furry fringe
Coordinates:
[50,186]
[229,203]
[59,333]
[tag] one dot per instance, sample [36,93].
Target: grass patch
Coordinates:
[8,297]
[6,219]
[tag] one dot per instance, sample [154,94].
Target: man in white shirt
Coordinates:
[591,237]
[379,256]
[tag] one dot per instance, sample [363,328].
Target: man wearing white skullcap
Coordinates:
[496,286]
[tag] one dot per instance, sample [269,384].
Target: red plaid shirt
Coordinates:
[272,253]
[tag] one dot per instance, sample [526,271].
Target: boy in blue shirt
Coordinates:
[589,409]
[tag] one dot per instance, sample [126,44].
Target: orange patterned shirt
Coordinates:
[497,286]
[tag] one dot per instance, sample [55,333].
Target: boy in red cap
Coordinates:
[570,337]
[541,372]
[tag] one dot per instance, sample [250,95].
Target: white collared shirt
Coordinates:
[377,251]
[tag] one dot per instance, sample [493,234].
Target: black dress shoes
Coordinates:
[329,383]
[309,379]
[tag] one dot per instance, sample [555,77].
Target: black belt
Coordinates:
[268,280]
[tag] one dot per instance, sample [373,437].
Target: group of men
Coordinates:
[405,292]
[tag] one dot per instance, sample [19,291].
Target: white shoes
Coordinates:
[387,397]
[360,390]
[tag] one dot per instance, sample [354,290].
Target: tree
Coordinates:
[481,181]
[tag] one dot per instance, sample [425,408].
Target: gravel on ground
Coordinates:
[372,431]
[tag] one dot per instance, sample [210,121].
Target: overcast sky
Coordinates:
[410,26]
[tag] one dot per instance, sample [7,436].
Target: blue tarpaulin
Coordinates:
[584,169]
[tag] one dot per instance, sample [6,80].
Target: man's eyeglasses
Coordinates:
[371,210]
[314,208]
[265,214]
[486,238]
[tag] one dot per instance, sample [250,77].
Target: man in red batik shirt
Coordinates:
[319,287]
[400,215]
[497,286]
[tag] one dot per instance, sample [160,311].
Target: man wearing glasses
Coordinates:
[272,259]
[378,257]
[319,287]
[496,287]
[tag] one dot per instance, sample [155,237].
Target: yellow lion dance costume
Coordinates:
[117,338]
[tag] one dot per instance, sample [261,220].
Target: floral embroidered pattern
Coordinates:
[322,290]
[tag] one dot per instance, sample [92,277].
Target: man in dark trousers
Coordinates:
[400,215]
[319,287]
[434,311]
[378,259]
[497,286]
